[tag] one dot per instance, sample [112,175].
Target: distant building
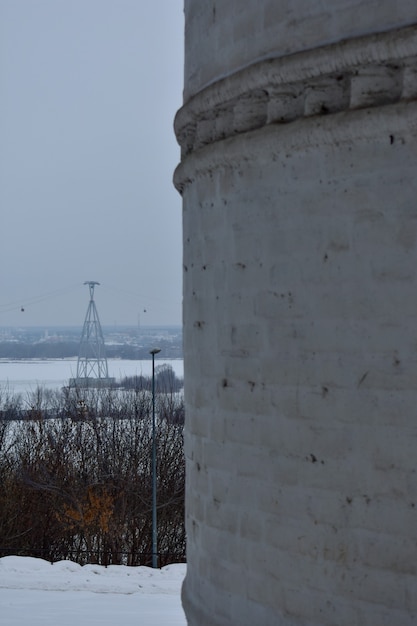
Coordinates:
[298,175]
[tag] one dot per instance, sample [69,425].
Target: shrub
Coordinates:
[76,477]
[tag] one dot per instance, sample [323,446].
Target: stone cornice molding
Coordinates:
[391,124]
[369,71]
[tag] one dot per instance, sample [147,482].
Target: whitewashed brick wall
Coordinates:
[300,310]
[222,36]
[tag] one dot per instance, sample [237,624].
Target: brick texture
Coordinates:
[300,335]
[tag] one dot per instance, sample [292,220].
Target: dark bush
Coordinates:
[76,476]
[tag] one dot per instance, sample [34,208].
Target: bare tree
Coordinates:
[76,477]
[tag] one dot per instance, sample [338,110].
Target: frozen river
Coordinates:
[25,375]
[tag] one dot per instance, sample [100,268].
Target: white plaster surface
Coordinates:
[300,338]
[223,35]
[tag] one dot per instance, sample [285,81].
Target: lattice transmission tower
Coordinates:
[92,369]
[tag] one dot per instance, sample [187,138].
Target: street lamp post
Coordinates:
[154,526]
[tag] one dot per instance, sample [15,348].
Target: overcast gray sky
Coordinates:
[88,93]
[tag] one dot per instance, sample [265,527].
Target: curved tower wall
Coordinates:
[222,37]
[298,176]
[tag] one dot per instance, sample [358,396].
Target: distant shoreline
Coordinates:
[22,375]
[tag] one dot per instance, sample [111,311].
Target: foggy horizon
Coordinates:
[87,154]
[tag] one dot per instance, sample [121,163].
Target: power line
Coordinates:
[25,302]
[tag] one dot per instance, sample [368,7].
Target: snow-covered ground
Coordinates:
[34,592]
[26,375]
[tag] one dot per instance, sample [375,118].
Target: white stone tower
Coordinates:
[298,175]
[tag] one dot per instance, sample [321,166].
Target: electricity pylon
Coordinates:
[92,366]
